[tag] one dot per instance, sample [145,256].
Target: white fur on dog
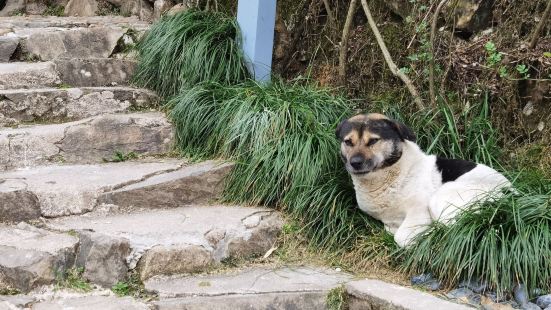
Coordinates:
[410,194]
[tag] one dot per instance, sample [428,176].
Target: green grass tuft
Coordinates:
[73,279]
[501,243]
[282,139]
[337,298]
[187,48]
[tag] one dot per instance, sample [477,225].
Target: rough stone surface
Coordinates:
[86,141]
[166,242]
[94,71]
[199,183]
[375,294]
[54,104]
[298,300]
[544,301]
[81,8]
[16,301]
[30,257]
[160,7]
[97,42]
[60,193]
[103,258]
[254,281]
[12,6]
[21,22]
[7,47]
[92,303]
[28,75]
[18,203]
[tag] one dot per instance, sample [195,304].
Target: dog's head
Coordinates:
[371,141]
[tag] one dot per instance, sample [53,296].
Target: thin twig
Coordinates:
[344,39]
[539,27]
[391,65]
[432,51]
[329,13]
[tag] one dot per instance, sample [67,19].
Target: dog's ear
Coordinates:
[403,131]
[339,132]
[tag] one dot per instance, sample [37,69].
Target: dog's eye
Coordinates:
[348,142]
[372,141]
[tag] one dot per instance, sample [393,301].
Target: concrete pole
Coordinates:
[256,19]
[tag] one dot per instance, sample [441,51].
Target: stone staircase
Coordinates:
[70,198]
[87,181]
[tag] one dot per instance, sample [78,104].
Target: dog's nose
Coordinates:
[357,162]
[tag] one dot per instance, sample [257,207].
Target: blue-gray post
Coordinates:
[256,19]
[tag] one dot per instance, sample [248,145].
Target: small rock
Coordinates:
[521,294]
[544,301]
[488,304]
[432,285]
[460,293]
[475,286]
[160,7]
[81,8]
[530,306]
[178,8]
[420,279]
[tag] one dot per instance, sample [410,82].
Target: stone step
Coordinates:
[376,294]
[8,24]
[89,72]
[51,43]
[92,140]
[31,257]
[91,303]
[252,288]
[55,191]
[188,239]
[65,104]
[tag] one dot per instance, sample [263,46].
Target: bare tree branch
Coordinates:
[344,39]
[432,52]
[539,27]
[391,65]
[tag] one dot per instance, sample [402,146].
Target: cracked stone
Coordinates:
[73,43]
[199,183]
[30,257]
[7,47]
[60,193]
[174,241]
[103,258]
[94,71]
[250,281]
[86,141]
[28,75]
[53,104]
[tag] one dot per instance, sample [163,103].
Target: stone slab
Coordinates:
[249,281]
[182,240]
[30,257]
[90,140]
[28,75]
[65,190]
[375,294]
[92,303]
[199,183]
[72,22]
[298,300]
[54,104]
[7,47]
[96,42]
[94,71]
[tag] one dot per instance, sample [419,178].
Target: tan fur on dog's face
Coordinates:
[370,142]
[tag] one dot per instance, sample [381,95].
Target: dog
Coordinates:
[398,184]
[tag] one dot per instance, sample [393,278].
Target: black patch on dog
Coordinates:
[393,158]
[451,169]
